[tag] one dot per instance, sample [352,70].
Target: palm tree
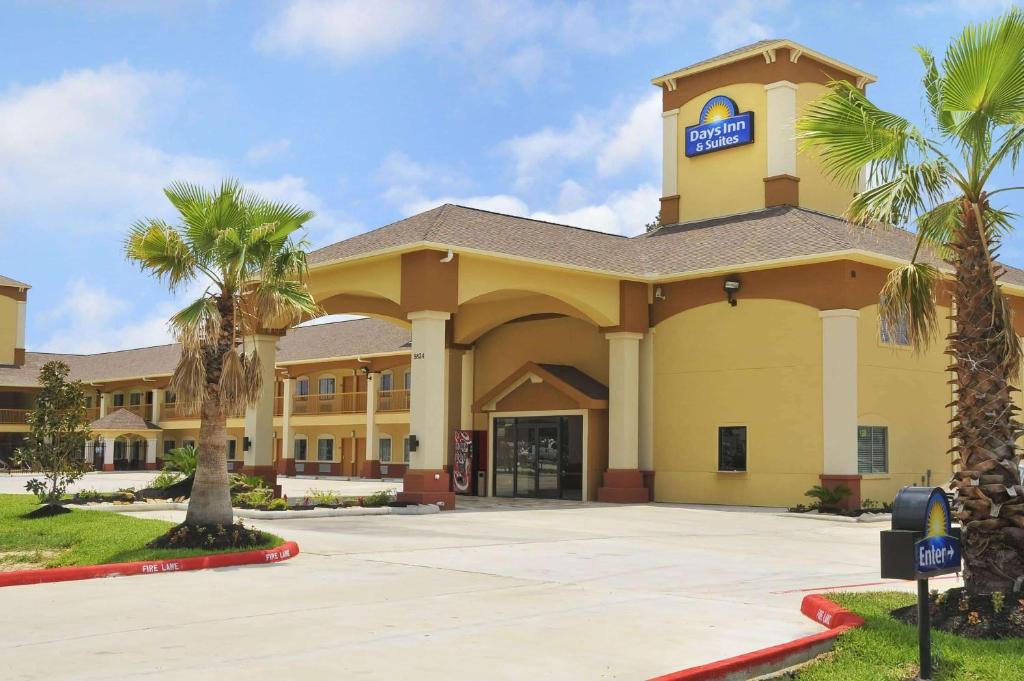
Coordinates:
[939,182]
[241,246]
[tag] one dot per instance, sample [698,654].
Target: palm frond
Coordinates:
[910,189]
[157,247]
[932,82]
[908,297]
[189,379]
[198,324]
[233,390]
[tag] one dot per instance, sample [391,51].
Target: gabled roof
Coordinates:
[585,391]
[122,419]
[14,283]
[765,237]
[760,47]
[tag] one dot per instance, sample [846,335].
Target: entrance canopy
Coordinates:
[124,422]
[545,387]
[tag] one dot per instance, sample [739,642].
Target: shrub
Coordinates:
[323,497]
[257,498]
[829,499]
[166,479]
[182,460]
[249,482]
[278,505]
[381,498]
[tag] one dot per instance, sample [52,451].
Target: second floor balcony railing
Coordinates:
[170,411]
[329,403]
[13,416]
[393,400]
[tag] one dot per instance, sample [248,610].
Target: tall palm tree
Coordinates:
[243,248]
[939,181]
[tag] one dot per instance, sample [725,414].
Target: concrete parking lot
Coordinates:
[530,590]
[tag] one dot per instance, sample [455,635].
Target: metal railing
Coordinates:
[15,416]
[393,400]
[170,411]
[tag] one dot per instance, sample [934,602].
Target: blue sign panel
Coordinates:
[938,551]
[721,126]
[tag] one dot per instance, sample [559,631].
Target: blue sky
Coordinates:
[364,112]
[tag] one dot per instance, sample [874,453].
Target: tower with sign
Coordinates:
[729,144]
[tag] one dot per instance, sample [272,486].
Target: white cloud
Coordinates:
[328,226]
[91,319]
[970,8]
[268,150]
[736,23]
[636,139]
[623,212]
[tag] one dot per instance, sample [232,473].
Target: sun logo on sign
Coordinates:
[717,108]
[938,521]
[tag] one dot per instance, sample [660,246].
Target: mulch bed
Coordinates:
[46,511]
[979,617]
[184,536]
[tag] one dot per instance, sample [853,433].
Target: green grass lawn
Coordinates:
[82,537]
[886,650]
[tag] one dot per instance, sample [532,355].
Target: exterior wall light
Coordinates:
[731,287]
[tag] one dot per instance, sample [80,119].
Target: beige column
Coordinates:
[287,441]
[259,418]
[780,134]
[839,391]
[108,453]
[372,448]
[646,402]
[151,444]
[105,401]
[426,481]
[623,481]
[670,152]
[19,339]
[87,452]
[466,392]
[158,398]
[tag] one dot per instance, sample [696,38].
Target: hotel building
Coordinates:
[733,355]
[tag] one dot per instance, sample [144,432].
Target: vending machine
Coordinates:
[469,464]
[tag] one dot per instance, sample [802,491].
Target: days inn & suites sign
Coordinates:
[721,126]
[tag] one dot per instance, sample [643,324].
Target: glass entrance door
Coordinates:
[538,457]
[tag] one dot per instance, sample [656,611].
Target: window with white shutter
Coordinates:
[872,449]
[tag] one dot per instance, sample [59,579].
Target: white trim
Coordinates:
[520,414]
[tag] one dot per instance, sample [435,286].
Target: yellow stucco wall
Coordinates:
[8,329]
[758,365]
[817,192]
[907,393]
[728,181]
[555,341]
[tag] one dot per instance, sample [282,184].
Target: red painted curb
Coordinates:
[838,620]
[287,550]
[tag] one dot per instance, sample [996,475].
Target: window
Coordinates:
[405,447]
[300,449]
[118,399]
[386,382]
[135,399]
[327,387]
[170,397]
[232,448]
[732,448]
[384,447]
[168,445]
[897,334]
[88,401]
[872,449]
[188,443]
[325,448]
[302,387]
[408,380]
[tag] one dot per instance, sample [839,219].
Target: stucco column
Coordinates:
[839,400]
[371,462]
[426,481]
[781,180]
[286,466]
[88,450]
[108,453]
[158,397]
[646,403]
[259,418]
[104,404]
[466,391]
[623,481]
[151,445]
[670,167]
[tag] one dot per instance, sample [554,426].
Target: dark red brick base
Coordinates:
[151,466]
[286,466]
[421,487]
[623,486]
[375,469]
[852,481]
[108,467]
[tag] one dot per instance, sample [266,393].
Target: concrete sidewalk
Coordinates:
[553,592]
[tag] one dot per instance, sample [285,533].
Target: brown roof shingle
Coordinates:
[7,281]
[122,419]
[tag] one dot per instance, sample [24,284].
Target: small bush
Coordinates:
[184,460]
[247,482]
[166,479]
[829,499]
[323,497]
[257,498]
[278,505]
[381,498]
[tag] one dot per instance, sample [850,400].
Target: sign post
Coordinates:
[921,544]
